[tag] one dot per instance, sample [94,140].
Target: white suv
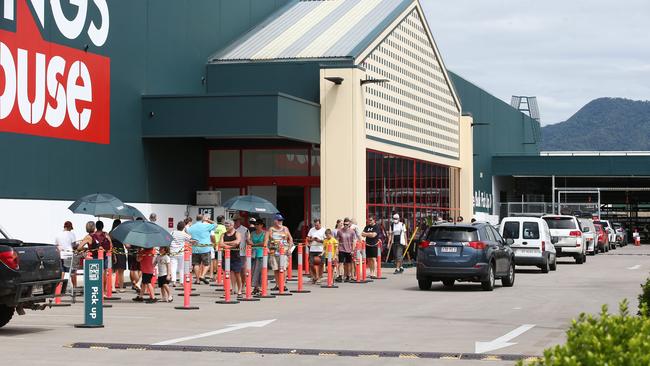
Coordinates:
[569,242]
[533,243]
[589,235]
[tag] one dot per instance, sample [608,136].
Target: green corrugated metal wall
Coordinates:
[506,130]
[155,47]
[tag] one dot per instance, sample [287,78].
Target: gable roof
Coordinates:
[315,29]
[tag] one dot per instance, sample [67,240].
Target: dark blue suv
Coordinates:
[459,252]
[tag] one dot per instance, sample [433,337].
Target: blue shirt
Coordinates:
[201,233]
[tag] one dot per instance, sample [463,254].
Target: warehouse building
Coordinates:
[328,108]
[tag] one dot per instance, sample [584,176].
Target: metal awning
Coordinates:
[572,166]
[270,115]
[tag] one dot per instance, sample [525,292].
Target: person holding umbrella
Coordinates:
[119,257]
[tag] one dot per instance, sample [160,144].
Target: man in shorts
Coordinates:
[371,233]
[244,232]
[347,238]
[218,232]
[201,245]
[315,238]
[276,236]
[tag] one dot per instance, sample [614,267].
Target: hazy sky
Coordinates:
[564,52]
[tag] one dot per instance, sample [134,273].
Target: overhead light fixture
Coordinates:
[374,81]
[335,79]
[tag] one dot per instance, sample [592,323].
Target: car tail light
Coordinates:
[476,244]
[576,233]
[425,244]
[10,259]
[543,246]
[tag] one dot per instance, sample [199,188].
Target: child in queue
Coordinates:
[146,259]
[164,263]
[331,245]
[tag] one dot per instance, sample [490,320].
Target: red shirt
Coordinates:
[146,260]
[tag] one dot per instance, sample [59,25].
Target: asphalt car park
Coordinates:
[387,322]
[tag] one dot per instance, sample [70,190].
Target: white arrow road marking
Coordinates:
[634,267]
[230,328]
[503,341]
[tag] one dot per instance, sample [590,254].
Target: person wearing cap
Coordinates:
[256,241]
[347,238]
[276,236]
[216,238]
[397,241]
[64,241]
[245,236]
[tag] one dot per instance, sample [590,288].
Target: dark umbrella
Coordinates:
[250,203]
[98,204]
[142,234]
[129,213]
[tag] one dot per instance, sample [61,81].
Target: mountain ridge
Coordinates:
[604,124]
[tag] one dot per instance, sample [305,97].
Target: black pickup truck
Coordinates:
[29,274]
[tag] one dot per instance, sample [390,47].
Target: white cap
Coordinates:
[396,216]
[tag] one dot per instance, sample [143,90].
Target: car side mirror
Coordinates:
[585,229]
[554,240]
[509,241]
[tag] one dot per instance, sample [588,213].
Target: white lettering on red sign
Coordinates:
[53,90]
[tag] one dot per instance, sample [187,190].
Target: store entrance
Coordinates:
[291,203]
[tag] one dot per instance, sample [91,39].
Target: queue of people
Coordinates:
[209,239]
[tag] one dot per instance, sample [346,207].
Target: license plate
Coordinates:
[448,249]
[526,251]
[37,290]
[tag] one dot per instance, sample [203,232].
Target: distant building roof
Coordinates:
[315,29]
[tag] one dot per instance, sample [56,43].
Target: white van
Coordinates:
[569,242]
[533,244]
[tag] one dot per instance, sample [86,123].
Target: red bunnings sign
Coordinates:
[51,90]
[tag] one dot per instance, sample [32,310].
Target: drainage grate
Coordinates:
[304,352]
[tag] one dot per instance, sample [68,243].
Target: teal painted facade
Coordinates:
[572,166]
[498,128]
[156,47]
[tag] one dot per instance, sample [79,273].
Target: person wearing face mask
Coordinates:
[397,240]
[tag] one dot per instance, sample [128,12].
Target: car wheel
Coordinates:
[554,264]
[606,248]
[489,284]
[424,284]
[584,257]
[546,266]
[580,259]
[6,313]
[448,283]
[509,280]
[613,247]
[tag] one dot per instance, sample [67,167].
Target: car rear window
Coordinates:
[511,230]
[603,224]
[531,230]
[560,222]
[462,234]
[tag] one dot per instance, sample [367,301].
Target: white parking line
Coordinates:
[230,328]
[634,267]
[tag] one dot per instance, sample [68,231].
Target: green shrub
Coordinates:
[605,340]
[644,298]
